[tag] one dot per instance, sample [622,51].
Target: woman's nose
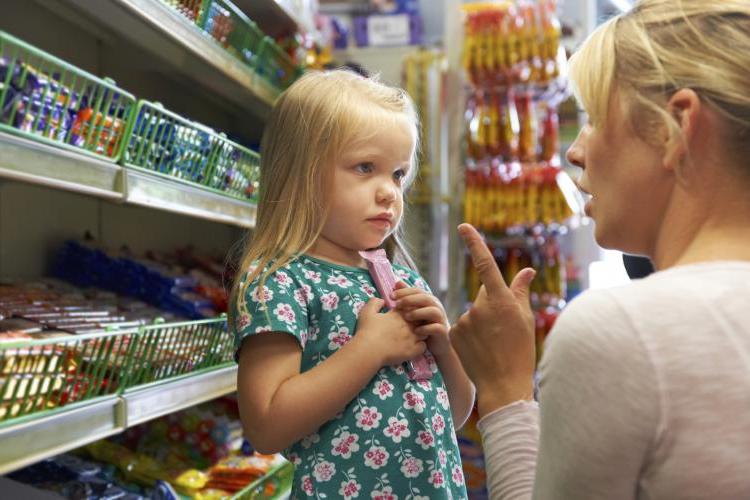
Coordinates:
[576,154]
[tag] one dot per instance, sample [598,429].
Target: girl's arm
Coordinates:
[461,391]
[279,405]
[424,309]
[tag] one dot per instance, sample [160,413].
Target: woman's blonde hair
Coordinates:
[310,125]
[661,46]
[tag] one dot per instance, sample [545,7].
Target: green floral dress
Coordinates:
[396,439]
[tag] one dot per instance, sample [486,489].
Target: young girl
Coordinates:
[321,368]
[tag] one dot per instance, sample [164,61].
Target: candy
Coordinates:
[385,281]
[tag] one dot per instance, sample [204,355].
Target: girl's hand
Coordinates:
[388,336]
[427,314]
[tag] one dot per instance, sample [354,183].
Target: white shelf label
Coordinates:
[388,30]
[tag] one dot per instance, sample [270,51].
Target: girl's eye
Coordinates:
[365,168]
[399,175]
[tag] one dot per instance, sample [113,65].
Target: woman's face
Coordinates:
[627,181]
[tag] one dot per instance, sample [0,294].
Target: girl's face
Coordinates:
[366,195]
[626,177]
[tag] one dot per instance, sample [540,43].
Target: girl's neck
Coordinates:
[327,250]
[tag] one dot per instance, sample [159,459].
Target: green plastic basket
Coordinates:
[235,170]
[163,142]
[191,9]
[160,352]
[48,100]
[274,485]
[41,375]
[275,65]
[229,26]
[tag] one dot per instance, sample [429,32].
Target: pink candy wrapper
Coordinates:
[385,281]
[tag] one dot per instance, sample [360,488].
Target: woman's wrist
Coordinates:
[492,397]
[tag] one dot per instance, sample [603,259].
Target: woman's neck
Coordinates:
[715,230]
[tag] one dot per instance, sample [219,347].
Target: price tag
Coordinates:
[388,30]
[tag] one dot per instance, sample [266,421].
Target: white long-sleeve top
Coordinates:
[644,393]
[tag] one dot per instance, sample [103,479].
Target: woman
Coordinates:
[645,389]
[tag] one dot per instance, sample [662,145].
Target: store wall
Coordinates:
[35,222]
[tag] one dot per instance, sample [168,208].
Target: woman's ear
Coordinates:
[685,107]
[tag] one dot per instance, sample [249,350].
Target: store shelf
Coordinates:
[274,18]
[25,160]
[155,400]
[172,195]
[34,439]
[172,38]
[28,161]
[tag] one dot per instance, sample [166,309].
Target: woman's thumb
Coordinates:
[521,283]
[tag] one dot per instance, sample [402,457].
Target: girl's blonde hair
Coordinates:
[310,125]
[661,46]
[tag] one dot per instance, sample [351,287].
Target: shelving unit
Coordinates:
[33,439]
[213,79]
[161,31]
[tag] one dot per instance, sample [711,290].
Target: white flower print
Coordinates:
[312,276]
[411,467]
[243,321]
[376,457]
[285,313]
[402,274]
[260,296]
[294,458]
[303,295]
[349,489]
[437,479]
[425,385]
[262,329]
[338,339]
[345,444]
[370,291]
[383,389]
[425,439]
[414,401]
[310,440]
[438,424]
[324,471]
[307,485]
[339,281]
[384,494]
[312,332]
[303,338]
[282,279]
[442,398]
[357,307]
[458,475]
[397,429]
[368,418]
[398,369]
[330,301]
[442,457]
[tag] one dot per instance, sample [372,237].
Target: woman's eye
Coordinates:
[365,168]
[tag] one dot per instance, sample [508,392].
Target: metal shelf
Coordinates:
[25,160]
[172,195]
[161,398]
[183,47]
[36,163]
[34,439]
